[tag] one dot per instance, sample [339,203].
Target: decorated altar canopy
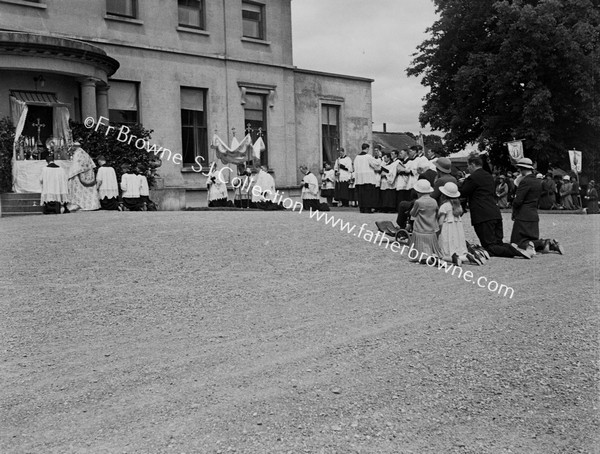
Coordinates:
[19,102]
[238,152]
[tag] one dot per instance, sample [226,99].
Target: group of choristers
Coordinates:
[378,182]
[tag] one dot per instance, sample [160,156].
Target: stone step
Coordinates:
[21,196]
[20,213]
[12,204]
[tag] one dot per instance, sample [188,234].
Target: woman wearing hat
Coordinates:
[502,192]
[591,198]
[548,196]
[565,193]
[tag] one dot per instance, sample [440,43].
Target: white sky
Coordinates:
[367,38]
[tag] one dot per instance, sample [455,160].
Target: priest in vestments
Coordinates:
[108,187]
[83,193]
[365,167]
[263,191]
[54,187]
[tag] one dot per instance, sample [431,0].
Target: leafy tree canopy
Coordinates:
[514,69]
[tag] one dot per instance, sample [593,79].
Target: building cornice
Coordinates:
[337,76]
[35,44]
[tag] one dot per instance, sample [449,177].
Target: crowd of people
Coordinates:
[559,192]
[87,186]
[434,217]
[430,201]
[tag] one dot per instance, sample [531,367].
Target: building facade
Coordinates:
[185,69]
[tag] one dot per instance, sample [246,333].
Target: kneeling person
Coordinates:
[131,186]
[108,188]
[310,190]
[54,188]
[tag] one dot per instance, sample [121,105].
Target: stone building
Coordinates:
[184,69]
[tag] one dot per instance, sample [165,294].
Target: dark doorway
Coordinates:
[44,115]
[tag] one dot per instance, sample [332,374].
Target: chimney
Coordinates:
[384,127]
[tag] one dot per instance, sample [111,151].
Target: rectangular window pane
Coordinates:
[126,117]
[126,8]
[122,95]
[194,133]
[255,117]
[330,132]
[254,102]
[123,102]
[191,13]
[252,20]
[192,99]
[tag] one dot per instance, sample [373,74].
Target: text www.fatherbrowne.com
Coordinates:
[380,239]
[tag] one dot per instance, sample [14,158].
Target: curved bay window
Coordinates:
[255,120]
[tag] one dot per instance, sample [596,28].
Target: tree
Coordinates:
[518,69]
[117,152]
[7,138]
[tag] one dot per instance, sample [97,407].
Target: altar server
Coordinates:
[108,187]
[365,167]
[310,190]
[131,186]
[54,188]
[388,179]
[217,189]
[343,170]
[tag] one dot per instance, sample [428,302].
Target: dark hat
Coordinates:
[444,165]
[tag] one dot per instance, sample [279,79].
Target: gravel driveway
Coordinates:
[269,332]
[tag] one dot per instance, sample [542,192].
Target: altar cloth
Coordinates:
[26,174]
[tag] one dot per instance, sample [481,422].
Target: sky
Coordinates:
[367,38]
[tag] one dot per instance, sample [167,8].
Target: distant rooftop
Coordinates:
[389,141]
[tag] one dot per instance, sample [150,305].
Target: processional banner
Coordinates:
[575,158]
[515,150]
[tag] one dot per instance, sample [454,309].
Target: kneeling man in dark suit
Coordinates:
[526,228]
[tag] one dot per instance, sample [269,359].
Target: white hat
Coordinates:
[567,177]
[423,186]
[540,176]
[450,189]
[525,163]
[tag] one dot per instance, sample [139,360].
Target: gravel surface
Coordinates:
[270,332]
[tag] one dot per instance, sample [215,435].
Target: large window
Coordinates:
[123,102]
[255,119]
[194,134]
[191,13]
[122,8]
[330,131]
[253,18]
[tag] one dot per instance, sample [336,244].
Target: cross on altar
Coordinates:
[39,127]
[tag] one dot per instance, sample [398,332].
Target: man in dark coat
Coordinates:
[526,228]
[480,191]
